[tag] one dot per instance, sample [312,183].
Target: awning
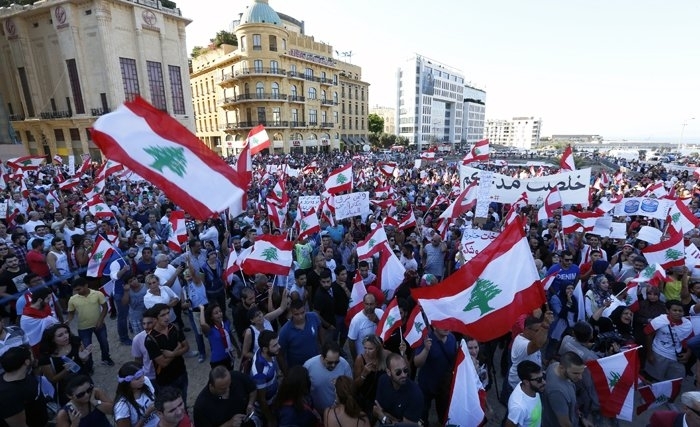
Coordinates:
[344,140]
[355,140]
[363,139]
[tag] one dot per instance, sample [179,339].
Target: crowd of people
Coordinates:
[281,350]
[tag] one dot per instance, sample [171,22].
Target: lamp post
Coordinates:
[683,125]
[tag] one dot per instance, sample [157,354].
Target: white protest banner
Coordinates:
[474,241]
[573,186]
[645,206]
[350,205]
[306,203]
[692,256]
[416,164]
[482,195]
[71,165]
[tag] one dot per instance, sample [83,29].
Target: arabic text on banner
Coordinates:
[573,186]
[353,204]
[474,241]
[482,195]
[649,207]
[306,203]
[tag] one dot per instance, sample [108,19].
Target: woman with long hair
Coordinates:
[260,322]
[133,403]
[217,328]
[367,369]
[293,404]
[87,406]
[62,354]
[346,411]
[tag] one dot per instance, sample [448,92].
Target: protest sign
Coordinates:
[482,195]
[474,241]
[350,205]
[306,203]
[645,206]
[573,186]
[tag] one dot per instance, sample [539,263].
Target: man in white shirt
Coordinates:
[524,404]
[362,324]
[407,259]
[159,294]
[527,346]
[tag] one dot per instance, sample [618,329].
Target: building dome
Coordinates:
[260,13]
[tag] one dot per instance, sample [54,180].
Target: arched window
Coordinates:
[293,90]
[259,89]
[246,89]
[312,93]
[335,98]
[275,90]
[323,95]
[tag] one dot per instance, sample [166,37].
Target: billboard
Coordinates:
[427,81]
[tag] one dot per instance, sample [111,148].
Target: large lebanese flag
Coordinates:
[579,221]
[478,153]
[271,255]
[309,224]
[357,295]
[614,378]
[390,273]
[668,253]
[463,203]
[373,243]
[484,298]
[682,218]
[340,180]
[162,151]
[466,392]
[26,162]
[658,394]
[390,321]
[566,163]
[100,257]
[177,230]
[258,139]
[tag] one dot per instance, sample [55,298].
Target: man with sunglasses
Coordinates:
[524,404]
[567,273]
[323,370]
[690,417]
[399,399]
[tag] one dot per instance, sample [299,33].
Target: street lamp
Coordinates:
[683,125]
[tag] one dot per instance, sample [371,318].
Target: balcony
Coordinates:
[261,97]
[327,125]
[226,102]
[275,124]
[95,112]
[313,123]
[311,78]
[56,115]
[225,79]
[325,81]
[296,98]
[295,75]
[259,71]
[328,102]
[297,124]
[16,117]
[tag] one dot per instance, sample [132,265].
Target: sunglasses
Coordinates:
[539,379]
[398,372]
[83,393]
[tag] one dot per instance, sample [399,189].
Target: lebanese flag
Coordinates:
[427,155]
[466,391]
[464,203]
[390,321]
[327,209]
[278,195]
[357,295]
[682,219]
[439,200]
[656,189]
[551,203]
[375,241]
[271,255]
[23,188]
[83,167]
[99,257]
[614,378]
[69,184]
[233,263]
[384,204]
[309,224]
[52,197]
[390,221]
[58,159]
[548,280]
[276,213]
[258,139]
[310,168]
[514,210]
[390,273]
[653,274]
[566,163]
[27,162]
[98,208]
[408,221]
[478,153]
[109,168]
[668,253]
[486,295]
[657,394]
[162,151]
[177,230]
[579,221]
[415,332]
[340,180]
[387,168]
[385,191]
[244,167]
[608,205]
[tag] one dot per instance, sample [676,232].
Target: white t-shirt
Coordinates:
[138,349]
[523,410]
[166,295]
[663,343]
[361,326]
[123,409]
[518,353]
[164,274]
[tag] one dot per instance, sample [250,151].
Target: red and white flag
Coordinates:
[606,205]
[99,257]
[98,208]
[375,241]
[579,221]
[177,230]
[551,203]
[233,263]
[408,221]
[668,253]
[309,224]
[486,296]
[58,159]
[682,219]
[357,295]
[566,163]
[271,255]
[327,211]
[415,330]
[390,273]
[464,203]
[278,195]
[162,151]
[390,321]
[657,189]
[658,394]
[427,155]
[387,168]
[69,184]
[514,210]
[108,168]
[614,378]
[26,162]
[385,191]
[548,280]
[52,197]
[653,274]
[478,153]
[258,139]
[276,214]
[439,200]
[340,180]
[466,391]
[84,167]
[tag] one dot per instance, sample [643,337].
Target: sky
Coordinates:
[621,69]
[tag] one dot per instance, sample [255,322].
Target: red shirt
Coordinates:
[36,262]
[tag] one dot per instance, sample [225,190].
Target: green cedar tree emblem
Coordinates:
[484,291]
[390,321]
[477,151]
[676,217]
[613,379]
[270,254]
[341,179]
[98,256]
[662,399]
[304,225]
[278,194]
[99,208]
[26,162]
[648,271]
[171,157]
[371,243]
[419,327]
[578,221]
[673,254]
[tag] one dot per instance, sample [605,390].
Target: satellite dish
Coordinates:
[365,148]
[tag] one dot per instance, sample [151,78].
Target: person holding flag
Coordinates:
[435,360]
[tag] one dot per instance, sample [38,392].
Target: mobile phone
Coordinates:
[249,417]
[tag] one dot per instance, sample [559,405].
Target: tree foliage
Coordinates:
[375,123]
[197,50]
[224,37]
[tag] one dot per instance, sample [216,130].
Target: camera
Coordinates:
[605,340]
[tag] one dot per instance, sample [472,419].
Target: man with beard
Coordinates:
[264,372]
[399,399]
[36,317]
[525,404]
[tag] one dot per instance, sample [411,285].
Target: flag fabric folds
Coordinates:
[551,203]
[658,394]
[373,243]
[466,392]
[340,180]
[415,330]
[357,295]
[390,321]
[177,230]
[478,153]
[614,378]
[258,139]
[99,257]
[271,255]
[566,163]
[668,253]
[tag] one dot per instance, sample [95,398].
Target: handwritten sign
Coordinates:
[649,207]
[482,195]
[573,186]
[350,205]
[474,241]
[306,203]
[692,257]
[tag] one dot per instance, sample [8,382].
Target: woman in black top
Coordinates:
[62,354]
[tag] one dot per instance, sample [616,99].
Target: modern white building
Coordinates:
[389,116]
[430,99]
[474,114]
[519,132]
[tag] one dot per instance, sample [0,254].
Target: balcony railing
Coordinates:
[295,75]
[296,98]
[240,125]
[99,111]
[16,117]
[259,70]
[225,78]
[325,81]
[56,115]
[297,124]
[313,123]
[261,96]
[328,102]
[327,125]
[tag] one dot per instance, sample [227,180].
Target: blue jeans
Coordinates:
[122,317]
[101,334]
[694,345]
[197,329]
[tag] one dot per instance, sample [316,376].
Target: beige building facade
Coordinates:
[389,116]
[278,76]
[66,62]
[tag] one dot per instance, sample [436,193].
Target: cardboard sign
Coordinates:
[474,241]
[306,203]
[644,206]
[573,186]
[482,195]
[350,205]
[650,235]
